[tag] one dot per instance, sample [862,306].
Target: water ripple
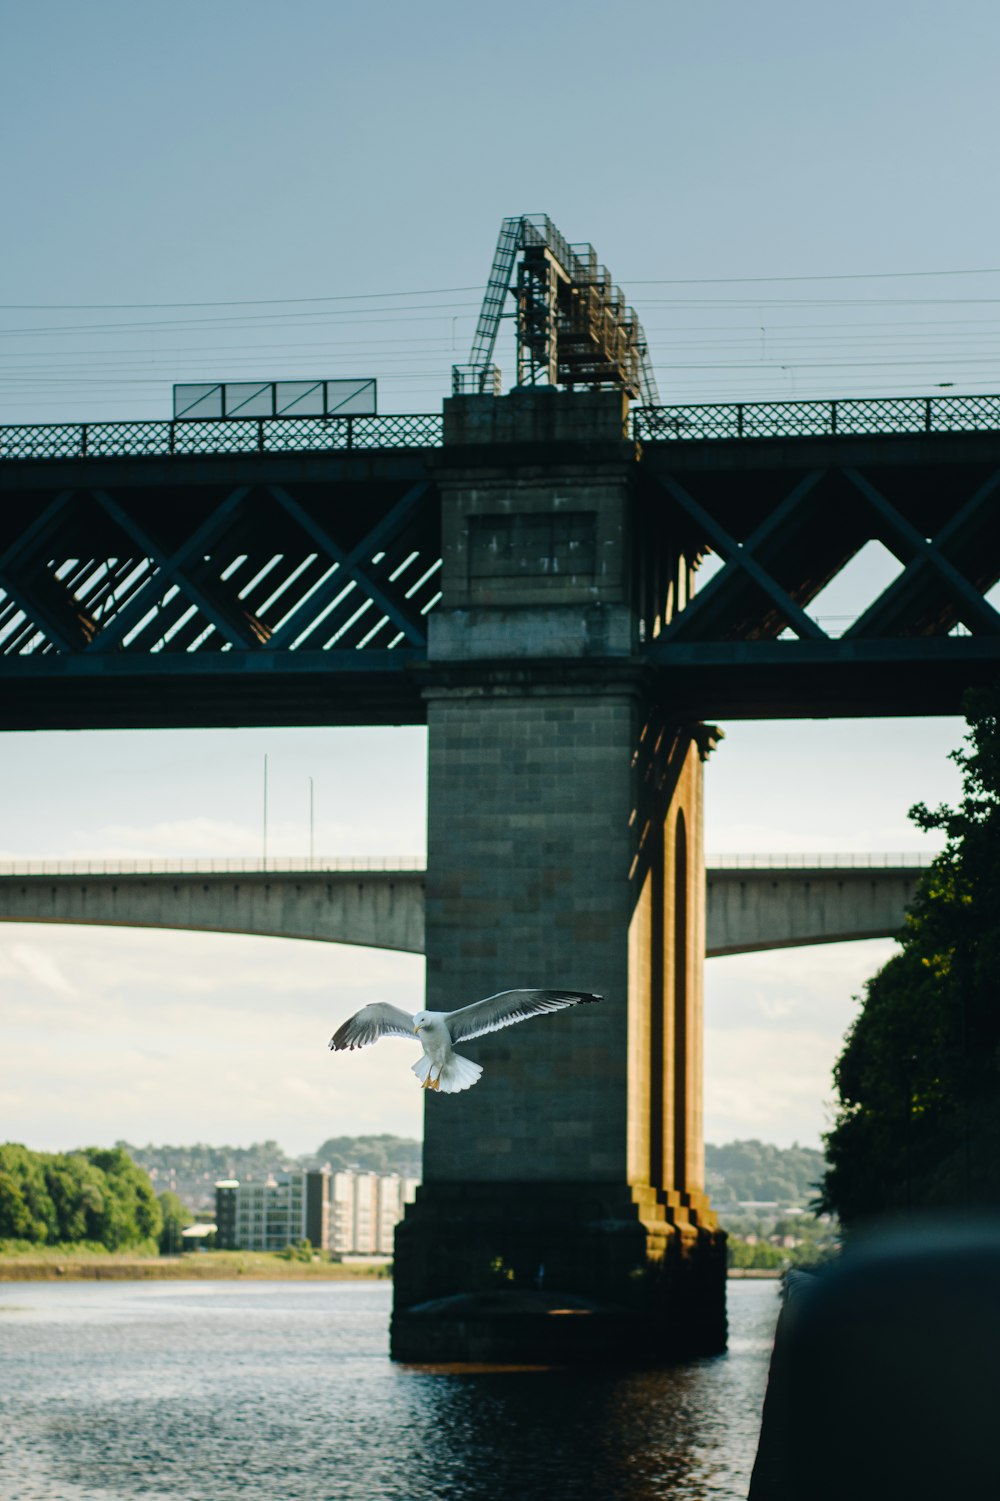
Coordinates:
[284,1392]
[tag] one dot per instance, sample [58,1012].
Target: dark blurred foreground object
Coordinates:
[885,1376]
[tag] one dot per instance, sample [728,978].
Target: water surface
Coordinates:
[271,1391]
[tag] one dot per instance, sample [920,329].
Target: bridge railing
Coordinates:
[121,440]
[853,417]
[214,865]
[305,864]
[852,860]
[849,417]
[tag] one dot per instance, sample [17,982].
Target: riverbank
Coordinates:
[51,1266]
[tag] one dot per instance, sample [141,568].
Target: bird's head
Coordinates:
[420,1020]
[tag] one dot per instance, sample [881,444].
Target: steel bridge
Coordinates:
[286,570]
[520,573]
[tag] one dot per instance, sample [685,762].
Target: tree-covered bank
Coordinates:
[918,1123]
[192,1171]
[757,1171]
[96,1195]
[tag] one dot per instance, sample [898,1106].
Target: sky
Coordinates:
[793,199]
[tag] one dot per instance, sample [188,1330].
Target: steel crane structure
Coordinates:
[573,325]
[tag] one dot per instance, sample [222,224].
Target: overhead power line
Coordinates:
[711,281]
[674,281]
[91,307]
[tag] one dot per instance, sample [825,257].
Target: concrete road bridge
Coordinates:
[521,574]
[752,903]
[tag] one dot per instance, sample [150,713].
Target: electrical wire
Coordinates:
[231,302]
[705,281]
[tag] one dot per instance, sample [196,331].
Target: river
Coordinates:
[271,1391]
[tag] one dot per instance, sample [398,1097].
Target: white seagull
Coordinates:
[440,1068]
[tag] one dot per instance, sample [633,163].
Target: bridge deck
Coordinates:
[284,570]
[750,907]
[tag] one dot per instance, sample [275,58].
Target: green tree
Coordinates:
[918,1122]
[26,1208]
[76,1189]
[129,1213]
[760,1257]
[175,1218]
[57,1197]
[757,1170]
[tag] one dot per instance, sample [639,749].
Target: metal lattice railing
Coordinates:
[107,440]
[851,417]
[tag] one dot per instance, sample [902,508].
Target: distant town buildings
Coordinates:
[345,1212]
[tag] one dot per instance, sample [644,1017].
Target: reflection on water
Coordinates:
[279,1392]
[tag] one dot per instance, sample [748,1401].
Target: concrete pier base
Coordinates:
[563,1273]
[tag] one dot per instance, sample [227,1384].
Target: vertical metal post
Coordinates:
[739,419]
[83,441]
[927,414]
[833,417]
[264,847]
[260,435]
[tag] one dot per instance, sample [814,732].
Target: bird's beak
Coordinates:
[416,1026]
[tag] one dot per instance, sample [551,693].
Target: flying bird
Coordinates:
[440,1068]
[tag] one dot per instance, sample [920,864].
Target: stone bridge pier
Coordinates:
[562,1212]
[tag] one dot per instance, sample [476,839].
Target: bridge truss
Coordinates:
[283,571]
[220,591]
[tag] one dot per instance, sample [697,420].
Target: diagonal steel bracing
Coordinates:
[928,563]
[742,557]
[175,569]
[62,626]
[253,568]
[355,566]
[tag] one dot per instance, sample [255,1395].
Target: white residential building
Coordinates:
[365,1209]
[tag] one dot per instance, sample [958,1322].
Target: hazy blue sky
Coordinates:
[223,154]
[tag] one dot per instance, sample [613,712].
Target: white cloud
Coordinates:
[237,1054]
[39,965]
[775,1026]
[776,1086]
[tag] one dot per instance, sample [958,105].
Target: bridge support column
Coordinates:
[564,849]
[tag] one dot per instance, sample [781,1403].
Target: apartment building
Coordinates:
[365,1209]
[273,1214]
[345,1212]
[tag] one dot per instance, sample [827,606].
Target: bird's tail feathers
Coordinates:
[459,1073]
[422,1068]
[456,1074]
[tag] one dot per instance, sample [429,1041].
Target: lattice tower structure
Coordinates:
[574,327]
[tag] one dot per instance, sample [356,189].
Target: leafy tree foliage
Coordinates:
[761,1256]
[371,1154]
[918,1123]
[94,1195]
[756,1171]
[175,1219]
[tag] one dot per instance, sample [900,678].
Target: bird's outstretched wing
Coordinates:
[508,1007]
[370,1023]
